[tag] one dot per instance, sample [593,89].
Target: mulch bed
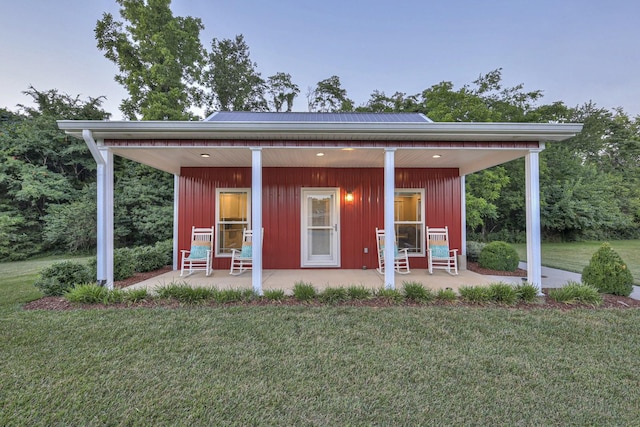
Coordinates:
[59,303]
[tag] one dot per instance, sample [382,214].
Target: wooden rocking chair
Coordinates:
[199,257]
[401,256]
[440,256]
[242,259]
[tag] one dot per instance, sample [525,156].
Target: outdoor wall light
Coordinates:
[349,197]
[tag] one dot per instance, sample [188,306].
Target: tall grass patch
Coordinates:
[576,293]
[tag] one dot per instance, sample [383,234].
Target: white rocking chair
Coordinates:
[401,257]
[242,259]
[440,256]
[199,257]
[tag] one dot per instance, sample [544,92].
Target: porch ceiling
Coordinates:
[467,160]
[170,145]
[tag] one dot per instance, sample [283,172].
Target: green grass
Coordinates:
[16,279]
[301,365]
[575,256]
[319,366]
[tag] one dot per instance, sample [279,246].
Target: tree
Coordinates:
[40,167]
[159,57]
[232,79]
[282,90]
[329,96]
[399,102]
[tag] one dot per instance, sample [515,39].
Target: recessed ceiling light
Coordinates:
[320,154]
[436,156]
[205,155]
[348,149]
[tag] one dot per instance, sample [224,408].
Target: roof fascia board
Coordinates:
[129,129]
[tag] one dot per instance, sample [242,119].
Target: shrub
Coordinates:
[304,291]
[503,293]
[62,276]
[527,292]
[226,296]
[417,292]
[475,294]
[391,295]
[473,250]
[574,293]
[333,295]
[499,256]
[274,294]
[608,273]
[87,294]
[124,264]
[165,247]
[148,258]
[448,295]
[359,292]
[186,294]
[135,295]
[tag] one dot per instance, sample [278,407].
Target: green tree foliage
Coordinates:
[329,96]
[608,272]
[282,91]
[235,83]
[41,168]
[159,57]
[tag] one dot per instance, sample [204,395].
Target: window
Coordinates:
[409,220]
[233,214]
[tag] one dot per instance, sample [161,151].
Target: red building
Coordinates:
[318,184]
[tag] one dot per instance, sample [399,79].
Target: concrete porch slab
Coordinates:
[319,278]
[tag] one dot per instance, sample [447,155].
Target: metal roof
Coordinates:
[250,116]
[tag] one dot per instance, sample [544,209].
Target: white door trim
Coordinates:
[307,259]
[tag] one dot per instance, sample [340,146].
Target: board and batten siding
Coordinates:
[281,208]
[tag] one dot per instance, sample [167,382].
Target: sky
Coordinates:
[575,51]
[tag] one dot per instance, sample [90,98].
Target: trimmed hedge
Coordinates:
[499,256]
[608,273]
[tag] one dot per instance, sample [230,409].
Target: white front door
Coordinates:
[320,222]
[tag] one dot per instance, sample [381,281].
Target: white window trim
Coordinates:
[217,219]
[422,223]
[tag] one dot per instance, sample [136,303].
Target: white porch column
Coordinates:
[104,255]
[534,257]
[176,193]
[389,223]
[463,220]
[256,218]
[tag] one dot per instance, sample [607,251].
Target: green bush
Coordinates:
[391,295]
[333,295]
[608,273]
[304,291]
[475,294]
[503,293]
[527,292]
[148,258]
[448,295]
[415,291]
[186,294]
[473,250]
[124,264]
[87,294]
[359,292]
[499,256]
[56,279]
[574,293]
[274,294]
[135,295]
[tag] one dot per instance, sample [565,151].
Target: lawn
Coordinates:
[279,365]
[575,256]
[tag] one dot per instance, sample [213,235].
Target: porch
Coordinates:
[321,279]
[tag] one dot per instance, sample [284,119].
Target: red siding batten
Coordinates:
[281,207]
